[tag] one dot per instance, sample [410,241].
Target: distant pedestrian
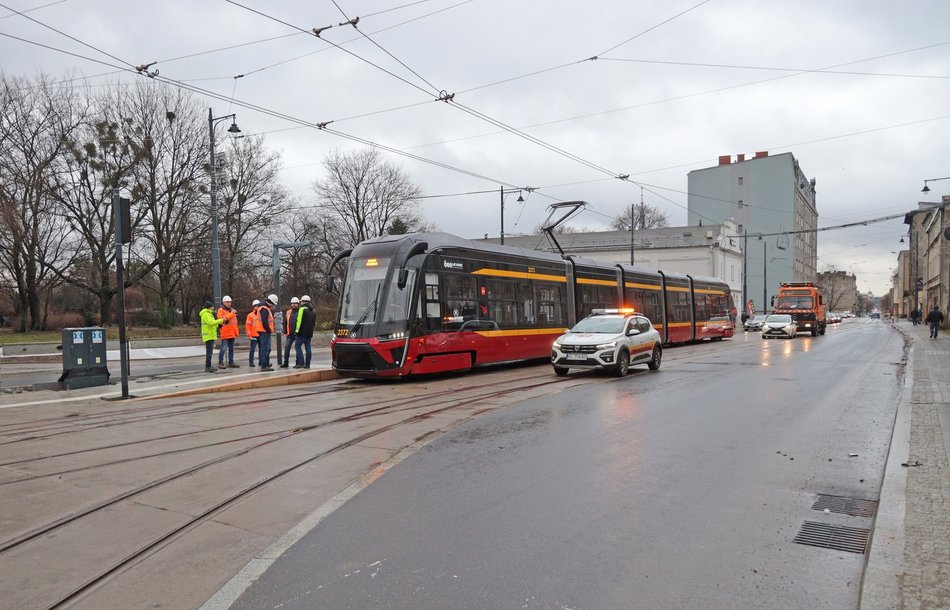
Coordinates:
[915,316]
[266,314]
[290,330]
[209,332]
[935,319]
[306,320]
[229,332]
[252,328]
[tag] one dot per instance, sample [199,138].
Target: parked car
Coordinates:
[779,325]
[755,322]
[610,340]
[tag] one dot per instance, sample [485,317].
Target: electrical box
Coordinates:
[84,358]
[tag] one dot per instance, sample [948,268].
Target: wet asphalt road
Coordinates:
[677,489]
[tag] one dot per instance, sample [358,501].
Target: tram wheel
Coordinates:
[623,363]
[560,371]
[654,362]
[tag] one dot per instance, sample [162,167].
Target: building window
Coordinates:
[740,180]
[740,204]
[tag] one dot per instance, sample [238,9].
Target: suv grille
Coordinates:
[578,349]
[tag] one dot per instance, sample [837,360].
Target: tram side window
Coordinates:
[678,305]
[549,299]
[461,300]
[646,302]
[595,297]
[504,305]
[433,306]
[702,307]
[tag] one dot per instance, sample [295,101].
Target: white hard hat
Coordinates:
[255,303]
[226,299]
[294,300]
[272,298]
[305,298]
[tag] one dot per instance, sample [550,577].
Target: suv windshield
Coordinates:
[600,324]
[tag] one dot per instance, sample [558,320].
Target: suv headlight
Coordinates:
[556,345]
[607,345]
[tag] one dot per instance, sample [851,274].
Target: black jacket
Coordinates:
[935,316]
[306,320]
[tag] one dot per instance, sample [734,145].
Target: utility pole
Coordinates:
[120,238]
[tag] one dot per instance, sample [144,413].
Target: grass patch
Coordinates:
[8,336]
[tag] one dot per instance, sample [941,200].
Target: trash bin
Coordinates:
[84,358]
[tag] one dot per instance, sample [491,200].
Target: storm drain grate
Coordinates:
[837,537]
[845,506]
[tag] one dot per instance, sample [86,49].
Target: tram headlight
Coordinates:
[610,345]
[398,335]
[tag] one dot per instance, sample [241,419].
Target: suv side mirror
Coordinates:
[633,331]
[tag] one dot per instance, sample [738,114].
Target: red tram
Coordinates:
[433,302]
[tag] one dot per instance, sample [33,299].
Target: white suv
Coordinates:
[608,339]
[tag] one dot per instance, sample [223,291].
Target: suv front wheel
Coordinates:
[623,363]
[654,362]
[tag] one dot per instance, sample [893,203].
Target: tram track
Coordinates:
[452,403]
[152,546]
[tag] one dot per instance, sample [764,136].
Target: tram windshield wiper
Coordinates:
[371,308]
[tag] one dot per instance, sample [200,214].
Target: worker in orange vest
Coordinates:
[252,326]
[290,329]
[265,314]
[229,332]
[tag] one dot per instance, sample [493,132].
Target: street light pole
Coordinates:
[215,249]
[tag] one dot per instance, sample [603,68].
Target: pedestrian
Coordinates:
[266,315]
[290,330]
[935,319]
[306,320]
[229,332]
[209,332]
[252,327]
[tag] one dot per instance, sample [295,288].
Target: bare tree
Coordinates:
[36,121]
[252,201]
[645,216]
[170,142]
[365,193]
[98,158]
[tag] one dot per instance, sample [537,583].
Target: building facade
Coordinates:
[709,250]
[773,205]
[839,290]
[927,273]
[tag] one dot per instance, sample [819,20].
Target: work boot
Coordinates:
[209,369]
[222,365]
[298,366]
[234,365]
[283,366]
[267,368]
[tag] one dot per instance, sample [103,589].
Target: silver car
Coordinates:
[779,325]
[608,339]
[755,322]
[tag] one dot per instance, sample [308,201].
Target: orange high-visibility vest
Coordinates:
[252,325]
[229,330]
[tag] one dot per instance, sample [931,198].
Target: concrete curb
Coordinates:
[264,381]
[880,588]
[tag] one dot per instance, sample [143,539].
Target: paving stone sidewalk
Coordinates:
[923,580]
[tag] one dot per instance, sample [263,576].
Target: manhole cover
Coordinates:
[845,506]
[837,537]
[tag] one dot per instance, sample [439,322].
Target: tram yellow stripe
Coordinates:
[521,275]
[521,332]
[647,286]
[584,280]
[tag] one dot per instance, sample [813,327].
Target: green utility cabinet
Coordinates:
[84,358]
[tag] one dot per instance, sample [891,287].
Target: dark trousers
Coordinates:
[934,327]
[290,344]
[263,343]
[209,350]
[250,355]
[303,345]
[229,345]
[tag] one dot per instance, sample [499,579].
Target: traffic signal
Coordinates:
[125,220]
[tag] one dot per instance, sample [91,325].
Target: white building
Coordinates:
[773,202]
[708,250]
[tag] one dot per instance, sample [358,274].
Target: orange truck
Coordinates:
[803,301]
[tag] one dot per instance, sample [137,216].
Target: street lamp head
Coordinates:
[926,188]
[234,128]
[520,198]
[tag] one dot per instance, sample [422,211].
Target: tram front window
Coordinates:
[364,283]
[396,309]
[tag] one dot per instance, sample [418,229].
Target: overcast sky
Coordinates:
[858,91]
